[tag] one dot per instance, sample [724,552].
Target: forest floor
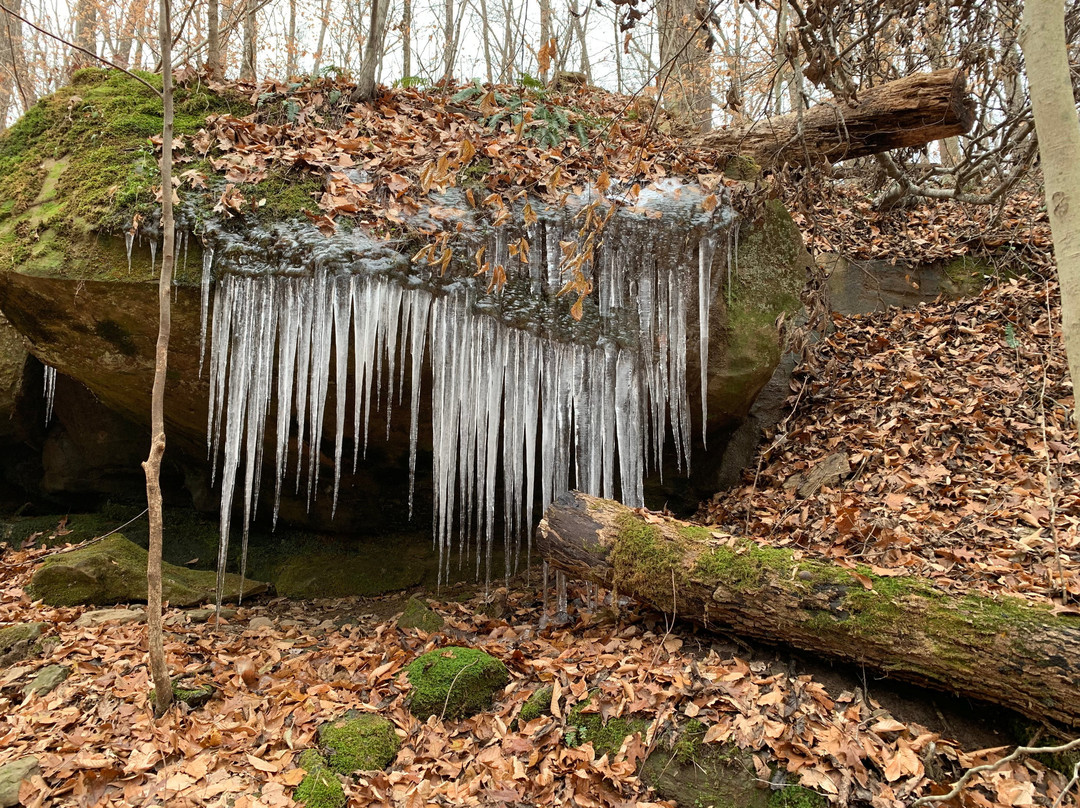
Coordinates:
[963,469]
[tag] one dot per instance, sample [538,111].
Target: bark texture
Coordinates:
[1005,651]
[1043,42]
[908,112]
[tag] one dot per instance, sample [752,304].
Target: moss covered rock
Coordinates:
[320,787]
[419,615]
[113,570]
[454,682]
[18,641]
[358,742]
[538,704]
[13,355]
[684,769]
[332,575]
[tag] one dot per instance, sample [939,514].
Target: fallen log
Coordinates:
[1003,650]
[911,111]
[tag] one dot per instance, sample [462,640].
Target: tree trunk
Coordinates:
[291,48]
[158,668]
[213,39]
[86,19]
[1043,42]
[324,21]
[406,39]
[908,112]
[365,84]
[13,78]
[683,80]
[248,67]
[1005,651]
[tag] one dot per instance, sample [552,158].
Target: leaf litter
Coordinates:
[98,744]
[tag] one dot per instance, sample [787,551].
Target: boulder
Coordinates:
[47,680]
[320,787]
[454,682]
[18,641]
[11,777]
[419,615]
[113,570]
[13,355]
[121,616]
[358,742]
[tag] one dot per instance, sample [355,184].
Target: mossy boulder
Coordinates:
[538,704]
[320,787]
[358,742]
[419,615]
[337,575]
[606,736]
[13,355]
[684,769]
[19,641]
[454,682]
[113,570]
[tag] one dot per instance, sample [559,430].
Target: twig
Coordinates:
[96,539]
[89,53]
[989,767]
[1046,448]
[450,689]
[1068,786]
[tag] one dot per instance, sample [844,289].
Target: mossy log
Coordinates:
[1003,650]
[911,111]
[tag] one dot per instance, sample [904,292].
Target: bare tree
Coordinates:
[406,38]
[86,20]
[1052,100]
[158,667]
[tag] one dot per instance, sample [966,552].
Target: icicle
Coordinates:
[544,597]
[129,240]
[204,301]
[562,615]
[153,256]
[50,392]
[705,256]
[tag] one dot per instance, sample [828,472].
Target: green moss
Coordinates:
[320,787]
[606,737]
[797,797]
[475,174]
[338,575]
[419,615]
[80,164]
[746,567]
[19,635]
[113,570]
[742,168]
[644,562]
[358,742]
[538,704]
[454,682]
[968,274]
[287,193]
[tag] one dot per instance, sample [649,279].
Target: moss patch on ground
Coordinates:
[454,682]
[606,736]
[320,787]
[538,704]
[358,742]
[685,769]
[797,797]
